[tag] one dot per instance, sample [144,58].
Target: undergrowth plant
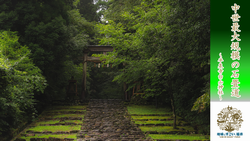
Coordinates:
[19,79]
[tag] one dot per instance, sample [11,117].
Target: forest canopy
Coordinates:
[165,44]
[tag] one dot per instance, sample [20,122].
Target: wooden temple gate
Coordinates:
[86,58]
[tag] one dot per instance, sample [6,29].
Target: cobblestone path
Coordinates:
[108,120]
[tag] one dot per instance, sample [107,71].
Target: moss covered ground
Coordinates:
[146,109]
[41,125]
[142,114]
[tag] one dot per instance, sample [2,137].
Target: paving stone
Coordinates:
[108,120]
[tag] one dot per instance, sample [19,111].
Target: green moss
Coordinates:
[146,109]
[61,136]
[181,137]
[165,128]
[58,128]
[55,128]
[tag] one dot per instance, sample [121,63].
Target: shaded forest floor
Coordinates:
[82,122]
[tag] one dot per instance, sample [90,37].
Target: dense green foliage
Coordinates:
[19,78]
[88,10]
[166,45]
[41,26]
[52,35]
[101,85]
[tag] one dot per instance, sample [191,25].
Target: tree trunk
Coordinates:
[125,91]
[174,115]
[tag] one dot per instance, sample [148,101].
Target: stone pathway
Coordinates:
[108,120]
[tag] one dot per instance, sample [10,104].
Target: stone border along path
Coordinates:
[108,120]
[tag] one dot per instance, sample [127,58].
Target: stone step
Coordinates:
[65,112]
[170,114]
[59,124]
[50,132]
[177,140]
[45,139]
[151,119]
[108,120]
[170,132]
[62,118]
[163,124]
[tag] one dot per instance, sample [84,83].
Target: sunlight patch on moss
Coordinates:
[146,109]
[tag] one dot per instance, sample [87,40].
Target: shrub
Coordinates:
[19,79]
